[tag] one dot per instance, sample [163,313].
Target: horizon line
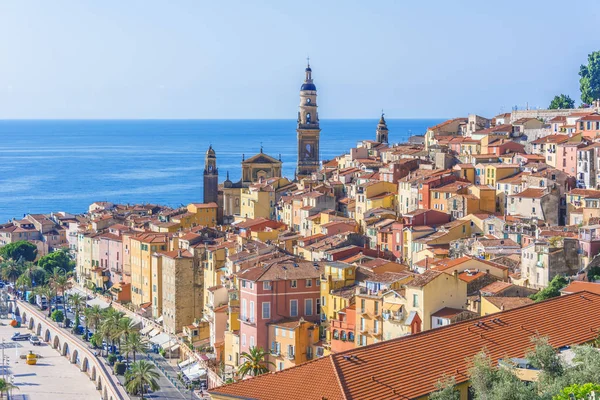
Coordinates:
[205,119]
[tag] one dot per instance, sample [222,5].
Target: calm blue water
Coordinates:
[65,165]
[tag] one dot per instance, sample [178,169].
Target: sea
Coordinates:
[64,165]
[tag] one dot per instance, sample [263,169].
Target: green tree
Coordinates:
[562,101]
[19,251]
[589,81]
[445,390]
[93,316]
[544,357]
[58,316]
[11,270]
[489,382]
[23,283]
[45,291]
[553,289]
[57,259]
[577,392]
[77,302]
[255,363]
[593,273]
[59,282]
[6,387]
[141,374]
[135,343]
[36,275]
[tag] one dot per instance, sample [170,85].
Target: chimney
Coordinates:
[179,253]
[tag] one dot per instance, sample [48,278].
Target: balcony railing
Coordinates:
[247,320]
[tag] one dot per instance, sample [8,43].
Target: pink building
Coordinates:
[567,156]
[275,290]
[111,256]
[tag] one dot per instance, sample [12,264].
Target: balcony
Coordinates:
[291,356]
[374,332]
[247,320]
[363,291]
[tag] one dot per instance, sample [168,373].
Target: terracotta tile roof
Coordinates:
[530,193]
[447,312]
[410,366]
[585,193]
[446,264]
[578,286]
[496,287]
[508,303]
[424,278]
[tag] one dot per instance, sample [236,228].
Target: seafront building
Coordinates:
[357,261]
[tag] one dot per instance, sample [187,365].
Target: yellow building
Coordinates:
[336,276]
[142,248]
[374,194]
[429,293]
[292,343]
[489,174]
[257,202]
[369,305]
[201,214]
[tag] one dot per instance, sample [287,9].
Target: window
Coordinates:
[362,324]
[318,282]
[266,310]
[309,283]
[243,310]
[293,308]
[243,283]
[267,285]
[318,303]
[281,365]
[376,308]
[323,301]
[291,351]
[283,331]
[294,283]
[243,339]
[251,341]
[308,307]
[415,300]
[351,336]
[251,313]
[376,326]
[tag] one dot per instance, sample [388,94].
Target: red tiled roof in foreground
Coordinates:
[410,366]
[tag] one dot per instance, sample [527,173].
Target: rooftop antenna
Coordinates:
[308,61]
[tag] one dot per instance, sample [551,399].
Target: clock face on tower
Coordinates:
[210,168]
[308,101]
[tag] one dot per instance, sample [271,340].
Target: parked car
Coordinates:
[20,336]
[34,340]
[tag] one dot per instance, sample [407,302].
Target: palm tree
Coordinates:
[36,274]
[59,282]
[125,327]
[77,301]
[6,387]
[106,332]
[141,374]
[254,363]
[11,270]
[135,343]
[93,316]
[23,283]
[47,292]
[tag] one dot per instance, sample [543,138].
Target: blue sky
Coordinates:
[245,59]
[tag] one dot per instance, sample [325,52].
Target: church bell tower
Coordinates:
[211,177]
[308,128]
[382,131]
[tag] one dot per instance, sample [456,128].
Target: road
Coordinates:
[168,390]
[54,377]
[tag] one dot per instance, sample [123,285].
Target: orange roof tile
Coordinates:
[410,366]
[578,286]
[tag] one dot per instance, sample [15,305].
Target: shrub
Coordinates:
[57,316]
[120,368]
[162,352]
[31,298]
[112,358]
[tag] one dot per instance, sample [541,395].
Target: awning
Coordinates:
[145,330]
[160,339]
[154,332]
[185,363]
[97,302]
[391,307]
[168,345]
[194,371]
[159,320]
